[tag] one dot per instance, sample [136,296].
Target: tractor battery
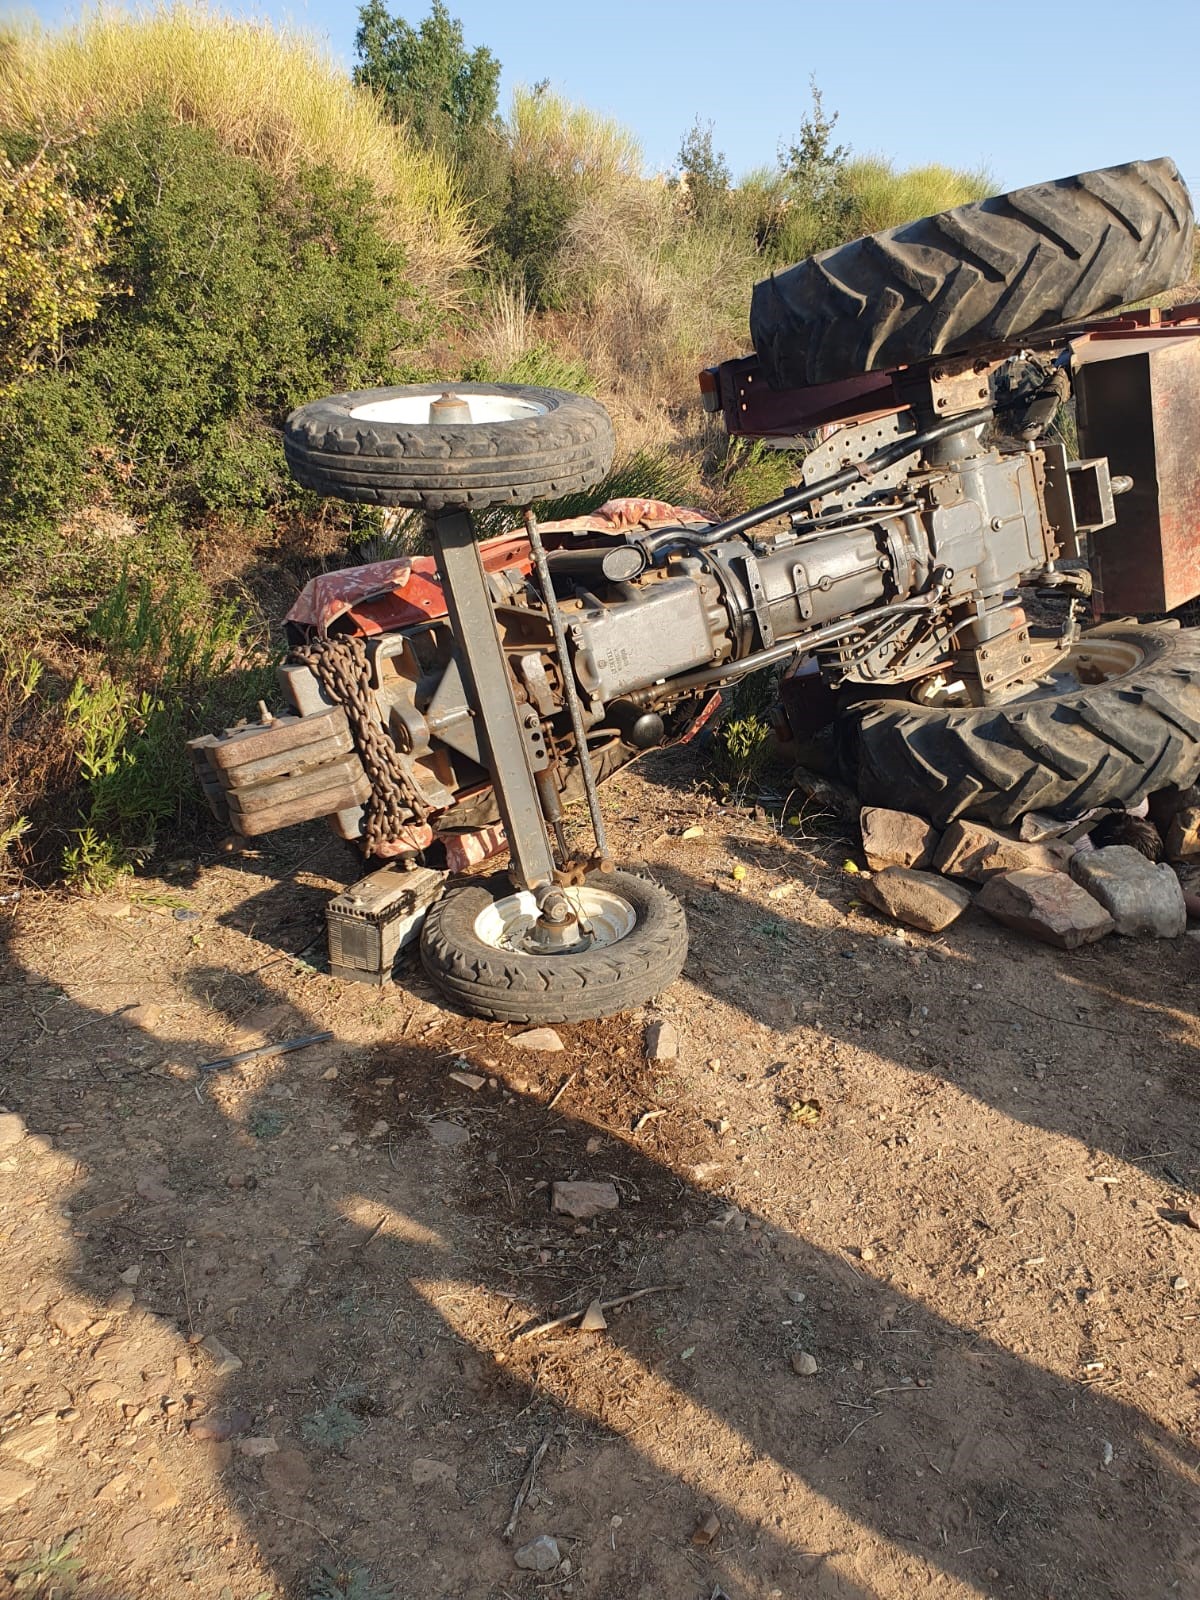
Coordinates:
[374,919]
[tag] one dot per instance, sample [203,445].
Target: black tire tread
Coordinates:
[430,467]
[980,274]
[1110,742]
[511,987]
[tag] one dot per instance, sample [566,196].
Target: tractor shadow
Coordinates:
[377,1249]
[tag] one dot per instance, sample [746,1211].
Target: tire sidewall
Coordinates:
[515,986]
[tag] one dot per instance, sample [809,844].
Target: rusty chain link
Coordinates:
[344,672]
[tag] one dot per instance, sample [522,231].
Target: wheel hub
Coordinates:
[598,918]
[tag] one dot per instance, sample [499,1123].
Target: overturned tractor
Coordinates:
[926,372]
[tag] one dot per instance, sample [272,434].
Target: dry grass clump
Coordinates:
[571,142]
[267,94]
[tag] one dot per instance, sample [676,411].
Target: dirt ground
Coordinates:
[265,1323]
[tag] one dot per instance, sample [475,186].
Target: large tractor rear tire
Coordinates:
[984,273]
[1119,721]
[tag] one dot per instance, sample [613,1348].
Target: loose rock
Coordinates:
[152,1185]
[538,1039]
[539,1555]
[30,1444]
[261,1444]
[12,1128]
[1142,899]
[920,899]
[594,1320]
[69,1317]
[14,1486]
[1183,835]
[216,1429]
[469,1080]
[224,1360]
[1049,906]
[448,1134]
[803,1364]
[583,1200]
[896,838]
[969,850]
[662,1042]
[706,1529]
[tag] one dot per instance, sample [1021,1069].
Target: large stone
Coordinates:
[896,838]
[1141,898]
[1183,835]
[919,899]
[970,850]
[1049,906]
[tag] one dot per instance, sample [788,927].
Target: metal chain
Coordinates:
[344,672]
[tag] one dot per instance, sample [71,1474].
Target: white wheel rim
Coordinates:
[414,408]
[506,923]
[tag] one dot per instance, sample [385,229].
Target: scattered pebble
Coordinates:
[329,1074]
[706,1529]
[583,1200]
[70,1318]
[448,1134]
[259,1445]
[662,1042]
[866,1253]
[12,1128]
[216,1429]
[469,1080]
[538,1039]
[803,1364]
[224,1360]
[594,1320]
[539,1555]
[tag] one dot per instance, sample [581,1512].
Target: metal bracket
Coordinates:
[502,738]
[758,599]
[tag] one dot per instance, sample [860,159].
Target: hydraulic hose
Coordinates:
[796,499]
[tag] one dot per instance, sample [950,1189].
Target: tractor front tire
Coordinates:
[383,447]
[472,968]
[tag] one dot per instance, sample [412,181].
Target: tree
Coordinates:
[814,174]
[703,171]
[426,76]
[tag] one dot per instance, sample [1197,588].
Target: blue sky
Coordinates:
[1028,90]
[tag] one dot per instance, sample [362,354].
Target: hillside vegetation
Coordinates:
[204,222]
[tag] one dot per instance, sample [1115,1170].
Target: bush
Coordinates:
[52,247]
[266,94]
[175,665]
[234,296]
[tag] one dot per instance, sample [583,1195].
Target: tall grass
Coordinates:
[571,142]
[270,95]
[882,197]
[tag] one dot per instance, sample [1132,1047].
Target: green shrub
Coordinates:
[265,93]
[743,746]
[52,247]
[235,295]
[176,665]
